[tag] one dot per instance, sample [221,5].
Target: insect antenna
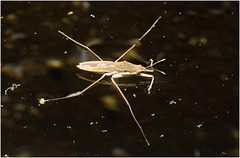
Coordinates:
[159,71]
[152,64]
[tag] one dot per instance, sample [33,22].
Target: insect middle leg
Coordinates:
[129,106]
[42,101]
[153,25]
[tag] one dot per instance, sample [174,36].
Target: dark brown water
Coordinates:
[192,111]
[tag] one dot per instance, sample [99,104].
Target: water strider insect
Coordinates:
[115,69]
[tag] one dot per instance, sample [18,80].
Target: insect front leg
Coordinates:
[129,106]
[42,101]
[150,76]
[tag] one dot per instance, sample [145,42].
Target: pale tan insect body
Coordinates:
[111,66]
[115,69]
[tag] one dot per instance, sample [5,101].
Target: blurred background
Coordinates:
[192,110]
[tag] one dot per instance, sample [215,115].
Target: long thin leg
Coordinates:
[80,45]
[138,40]
[150,76]
[42,101]
[129,106]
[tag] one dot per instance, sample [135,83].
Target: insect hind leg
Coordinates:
[80,44]
[42,101]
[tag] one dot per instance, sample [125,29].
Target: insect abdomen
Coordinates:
[97,66]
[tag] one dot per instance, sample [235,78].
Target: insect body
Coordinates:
[111,66]
[115,69]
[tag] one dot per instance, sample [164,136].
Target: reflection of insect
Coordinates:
[115,69]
